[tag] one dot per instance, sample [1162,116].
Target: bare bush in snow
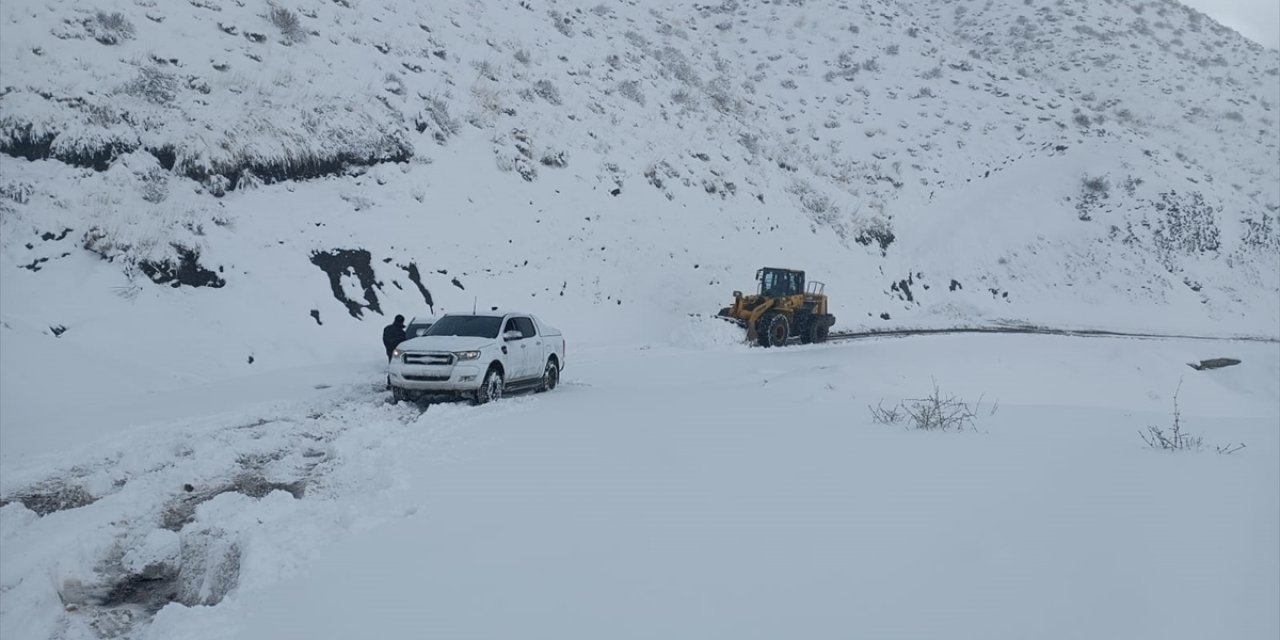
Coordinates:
[547,91]
[1093,190]
[563,23]
[886,415]
[720,92]
[935,412]
[1187,224]
[557,159]
[1260,232]
[154,85]
[288,23]
[1175,438]
[110,28]
[435,114]
[630,89]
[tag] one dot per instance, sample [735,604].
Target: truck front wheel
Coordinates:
[491,388]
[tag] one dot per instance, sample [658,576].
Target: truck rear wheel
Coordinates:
[550,376]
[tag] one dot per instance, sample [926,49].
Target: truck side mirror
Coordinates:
[512,335]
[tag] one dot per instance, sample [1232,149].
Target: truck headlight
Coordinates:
[396,353]
[467,355]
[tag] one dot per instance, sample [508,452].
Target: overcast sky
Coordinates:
[1258,20]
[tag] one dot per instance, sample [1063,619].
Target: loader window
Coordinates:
[775,283]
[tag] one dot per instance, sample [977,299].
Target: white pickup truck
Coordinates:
[477,356]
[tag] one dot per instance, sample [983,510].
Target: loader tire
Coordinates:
[821,329]
[809,333]
[773,330]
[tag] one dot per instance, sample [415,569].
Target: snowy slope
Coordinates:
[734,136]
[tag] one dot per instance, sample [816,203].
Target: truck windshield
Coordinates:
[471,326]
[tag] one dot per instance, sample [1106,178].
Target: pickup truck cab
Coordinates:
[477,356]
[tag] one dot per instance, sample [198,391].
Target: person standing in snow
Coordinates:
[393,335]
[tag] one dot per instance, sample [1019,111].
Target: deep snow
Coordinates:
[703,491]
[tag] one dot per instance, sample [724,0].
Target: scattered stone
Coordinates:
[1213,363]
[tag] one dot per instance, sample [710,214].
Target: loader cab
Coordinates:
[778,283]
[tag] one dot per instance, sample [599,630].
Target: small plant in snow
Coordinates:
[547,91]
[630,89]
[435,113]
[110,28]
[936,412]
[485,70]
[154,85]
[720,92]
[1093,190]
[1260,232]
[877,231]
[1187,224]
[557,159]
[288,23]
[563,23]
[19,192]
[1175,439]
[1096,184]
[392,84]
[882,415]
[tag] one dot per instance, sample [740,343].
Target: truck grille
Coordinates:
[417,378]
[435,359]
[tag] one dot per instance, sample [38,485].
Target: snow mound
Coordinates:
[707,333]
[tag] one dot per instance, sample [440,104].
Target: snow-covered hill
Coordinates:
[618,166]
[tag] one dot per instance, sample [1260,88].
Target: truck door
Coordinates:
[531,346]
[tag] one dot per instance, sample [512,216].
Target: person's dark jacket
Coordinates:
[392,336]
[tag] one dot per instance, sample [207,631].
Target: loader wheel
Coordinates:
[774,329]
[809,334]
[820,331]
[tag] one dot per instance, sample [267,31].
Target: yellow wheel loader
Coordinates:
[783,307]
